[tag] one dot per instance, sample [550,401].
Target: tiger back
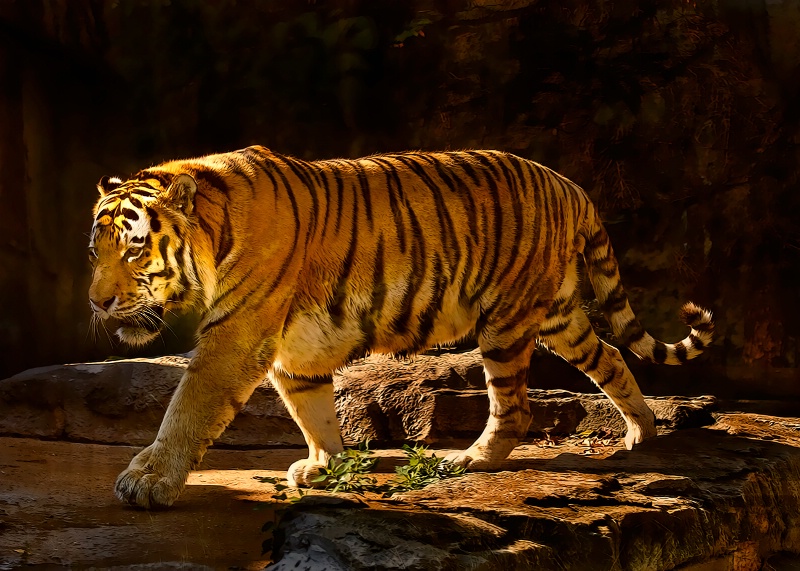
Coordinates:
[300,267]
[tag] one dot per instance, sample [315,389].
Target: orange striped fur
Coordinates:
[300,267]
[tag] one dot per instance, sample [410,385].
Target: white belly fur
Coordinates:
[314,345]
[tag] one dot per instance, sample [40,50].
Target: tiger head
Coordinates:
[136,248]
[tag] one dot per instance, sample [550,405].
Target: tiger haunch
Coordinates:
[300,267]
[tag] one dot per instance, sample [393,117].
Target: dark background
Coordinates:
[681,119]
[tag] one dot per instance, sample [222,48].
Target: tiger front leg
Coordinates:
[213,389]
[311,404]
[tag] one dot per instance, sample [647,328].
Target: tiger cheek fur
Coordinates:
[300,267]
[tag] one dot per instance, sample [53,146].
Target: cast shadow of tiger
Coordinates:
[701,454]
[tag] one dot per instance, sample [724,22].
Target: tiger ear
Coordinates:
[180,193]
[107,184]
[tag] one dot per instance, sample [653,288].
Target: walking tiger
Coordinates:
[300,267]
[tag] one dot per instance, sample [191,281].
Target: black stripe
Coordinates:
[705,327]
[508,354]
[428,315]
[581,359]
[140,179]
[233,165]
[337,175]
[616,300]
[516,209]
[465,192]
[207,229]
[180,256]
[608,377]
[137,239]
[562,305]
[554,329]
[212,176]
[378,297]
[516,162]
[155,223]
[607,266]
[680,352]
[167,272]
[582,337]
[598,240]
[217,300]
[659,352]
[127,225]
[363,183]
[598,352]
[293,202]
[393,188]
[301,383]
[418,270]
[469,169]
[491,182]
[225,238]
[163,242]
[528,281]
[326,187]
[466,273]
[696,342]
[338,297]
[632,332]
[481,232]
[300,171]
[509,382]
[148,191]
[242,301]
[449,237]
[542,230]
[129,214]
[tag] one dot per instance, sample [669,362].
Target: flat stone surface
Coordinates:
[722,497]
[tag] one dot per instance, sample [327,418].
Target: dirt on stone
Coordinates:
[689,497]
[58,509]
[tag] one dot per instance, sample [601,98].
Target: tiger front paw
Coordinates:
[302,473]
[147,482]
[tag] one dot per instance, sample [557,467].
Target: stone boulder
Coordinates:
[433,399]
[725,497]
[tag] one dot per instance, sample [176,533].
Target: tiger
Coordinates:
[300,267]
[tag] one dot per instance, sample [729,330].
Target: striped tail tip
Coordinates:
[702,323]
[701,335]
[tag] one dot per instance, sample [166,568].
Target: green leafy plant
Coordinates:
[347,471]
[421,470]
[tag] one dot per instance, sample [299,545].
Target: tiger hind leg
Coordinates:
[311,404]
[569,334]
[506,373]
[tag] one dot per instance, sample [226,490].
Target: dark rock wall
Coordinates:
[679,118]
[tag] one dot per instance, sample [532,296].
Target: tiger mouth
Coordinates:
[150,319]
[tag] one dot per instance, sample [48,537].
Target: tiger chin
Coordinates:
[136,336]
[300,267]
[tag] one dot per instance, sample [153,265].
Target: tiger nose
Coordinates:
[103,304]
